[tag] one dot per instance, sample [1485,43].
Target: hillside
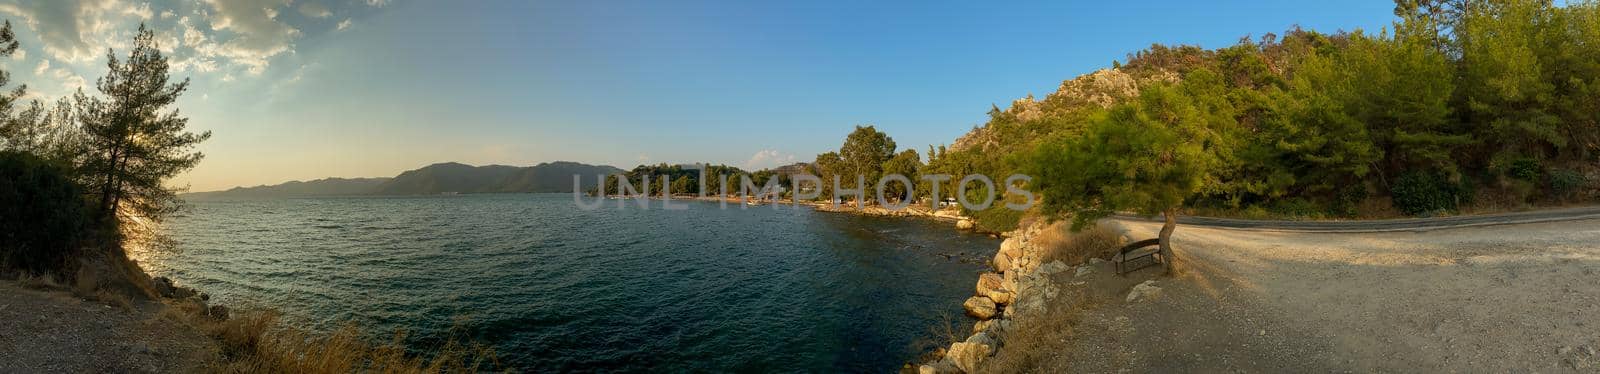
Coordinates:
[440,178]
[320,187]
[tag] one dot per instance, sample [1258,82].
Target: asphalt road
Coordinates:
[1388,225]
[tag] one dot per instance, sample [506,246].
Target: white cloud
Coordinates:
[377,3]
[142,11]
[315,10]
[227,39]
[258,35]
[768,159]
[72,30]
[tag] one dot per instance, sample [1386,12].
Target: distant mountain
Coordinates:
[461,178]
[792,169]
[435,179]
[320,187]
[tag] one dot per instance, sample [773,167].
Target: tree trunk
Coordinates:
[1167,256]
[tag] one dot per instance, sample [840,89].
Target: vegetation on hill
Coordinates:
[1458,105]
[91,170]
[461,178]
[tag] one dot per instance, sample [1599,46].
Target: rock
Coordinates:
[1009,282]
[993,286]
[940,367]
[205,297]
[1095,261]
[965,224]
[1002,262]
[1025,307]
[163,286]
[182,292]
[217,312]
[1563,351]
[1012,247]
[993,327]
[1587,350]
[966,356]
[1053,267]
[979,307]
[983,338]
[1144,291]
[1083,270]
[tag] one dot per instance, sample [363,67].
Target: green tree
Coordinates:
[14,131]
[136,145]
[905,163]
[1504,81]
[44,218]
[827,166]
[863,153]
[1148,156]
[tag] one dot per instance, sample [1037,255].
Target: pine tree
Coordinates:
[136,144]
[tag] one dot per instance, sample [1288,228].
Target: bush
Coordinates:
[1525,169]
[996,219]
[1417,193]
[1564,182]
[44,219]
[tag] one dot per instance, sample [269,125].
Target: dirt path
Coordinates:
[1520,298]
[53,332]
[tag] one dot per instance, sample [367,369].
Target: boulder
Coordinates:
[980,307]
[965,224]
[1083,270]
[939,367]
[980,326]
[1144,291]
[983,338]
[163,286]
[993,286]
[1011,247]
[1002,262]
[993,327]
[966,356]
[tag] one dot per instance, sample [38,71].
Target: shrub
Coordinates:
[1563,182]
[44,218]
[1417,193]
[996,219]
[1298,208]
[1525,169]
[1347,202]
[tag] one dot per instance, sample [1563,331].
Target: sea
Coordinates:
[554,286]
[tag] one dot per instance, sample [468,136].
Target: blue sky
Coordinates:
[304,89]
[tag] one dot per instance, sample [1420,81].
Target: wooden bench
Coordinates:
[1144,253]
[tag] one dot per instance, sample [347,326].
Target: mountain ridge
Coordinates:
[438,178]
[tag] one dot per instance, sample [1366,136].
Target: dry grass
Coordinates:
[44,281]
[1059,243]
[1038,343]
[256,342]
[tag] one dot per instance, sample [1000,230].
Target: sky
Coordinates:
[307,89]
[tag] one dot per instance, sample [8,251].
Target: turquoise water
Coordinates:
[556,288]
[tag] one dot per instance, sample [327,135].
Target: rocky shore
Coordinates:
[1018,288]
